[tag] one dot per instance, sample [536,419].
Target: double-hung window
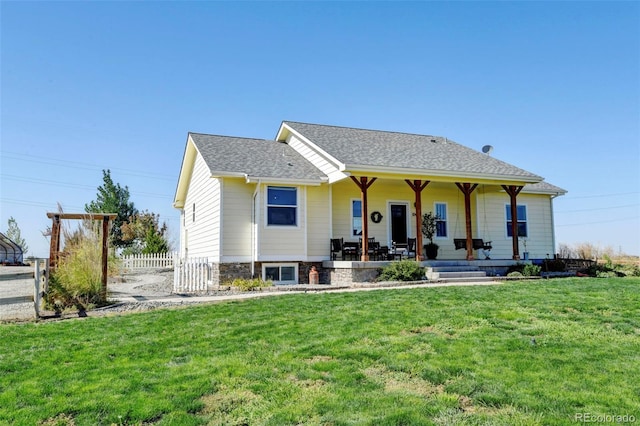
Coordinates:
[282,206]
[522,221]
[356,217]
[441,220]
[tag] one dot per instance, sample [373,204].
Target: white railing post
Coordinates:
[149,261]
[190,275]
[36,289]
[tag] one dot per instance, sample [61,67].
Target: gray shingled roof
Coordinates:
[405,151]
[544,187]
[254,157]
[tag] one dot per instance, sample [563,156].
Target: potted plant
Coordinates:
[429,226]
[525,252]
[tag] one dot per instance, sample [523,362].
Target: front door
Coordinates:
[398,223]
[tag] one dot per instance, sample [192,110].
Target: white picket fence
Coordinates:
[149,261]
[191,275]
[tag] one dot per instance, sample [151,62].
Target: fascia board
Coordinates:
[442,175]
[186,170]
[287,181]
[542,192]
[219,174]
[337,176]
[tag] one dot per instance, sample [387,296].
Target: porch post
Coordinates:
[513,191]
[467,189]
[105,256]
[417,187]
[54,246]
[364,185]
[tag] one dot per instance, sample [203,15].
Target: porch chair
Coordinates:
[352,250]
[337,246]
[411,248]
[372,247]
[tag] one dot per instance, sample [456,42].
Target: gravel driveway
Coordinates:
[17,289]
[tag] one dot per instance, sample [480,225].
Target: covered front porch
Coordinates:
[466,207]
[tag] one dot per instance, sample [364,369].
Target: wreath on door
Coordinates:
[376,217]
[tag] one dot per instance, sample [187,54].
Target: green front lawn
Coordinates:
[524,353]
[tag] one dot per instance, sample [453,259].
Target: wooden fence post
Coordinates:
[36,289]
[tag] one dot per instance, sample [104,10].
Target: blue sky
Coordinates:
[86,86]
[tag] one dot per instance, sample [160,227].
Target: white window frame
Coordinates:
[506,221]
[267,205]
[353,217]
[446,220]
[280,266]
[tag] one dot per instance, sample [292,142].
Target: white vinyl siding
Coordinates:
[318,216]
[540,240]
[202,236]
[236,226]
[283,243]
[311,155]
[346,191]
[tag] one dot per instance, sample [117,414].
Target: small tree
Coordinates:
[112,198]
[13,233]
[429,227]
[144,234]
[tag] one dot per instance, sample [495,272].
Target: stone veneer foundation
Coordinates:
[222,273]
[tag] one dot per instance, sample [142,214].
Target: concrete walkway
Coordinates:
[17,288]
[298,289]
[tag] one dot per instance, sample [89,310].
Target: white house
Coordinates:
[270,208]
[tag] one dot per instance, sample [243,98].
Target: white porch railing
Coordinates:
[148,261]
[191,275]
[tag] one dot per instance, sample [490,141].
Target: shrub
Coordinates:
[607,274]
[523,270]
[610,270]
[404,270]
[531,270]
[251,284]
[77,279]
[519,267]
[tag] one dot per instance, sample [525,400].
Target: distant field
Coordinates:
[524,353]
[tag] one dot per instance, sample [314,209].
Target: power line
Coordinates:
[53,206]
[73,185]
[82,166]
[598,208]
[599,222]
[600,195]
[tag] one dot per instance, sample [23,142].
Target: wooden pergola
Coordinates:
[54,248]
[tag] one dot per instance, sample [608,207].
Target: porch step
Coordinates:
[466,280]
[466,272]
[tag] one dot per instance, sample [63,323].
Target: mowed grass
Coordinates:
[524,353]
